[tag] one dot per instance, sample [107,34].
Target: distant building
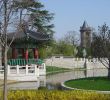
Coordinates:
[85,32]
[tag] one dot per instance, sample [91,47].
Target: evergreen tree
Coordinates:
[39,18]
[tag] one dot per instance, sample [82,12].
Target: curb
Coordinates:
[69,88]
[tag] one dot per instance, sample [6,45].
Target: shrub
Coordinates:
[56,95]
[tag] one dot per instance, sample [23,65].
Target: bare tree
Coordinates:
[71,37]
[9,20]
[13,14]
[101,46]
[7,13]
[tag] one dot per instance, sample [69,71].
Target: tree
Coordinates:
[41,23]
[101,46]
[65,45]
[39,18]
[60,47]
[7,13]
[71,41]
[71,37]
[14,13]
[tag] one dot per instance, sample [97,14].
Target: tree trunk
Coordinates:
[5,74]
[5,49]
[109,69]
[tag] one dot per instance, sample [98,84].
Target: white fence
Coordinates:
[24,73]
[69,62]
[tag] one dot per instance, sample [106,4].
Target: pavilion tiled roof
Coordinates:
[29,34]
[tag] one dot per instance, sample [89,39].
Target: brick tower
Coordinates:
[85,33]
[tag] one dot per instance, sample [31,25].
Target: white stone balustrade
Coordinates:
[29,73]
[70,62]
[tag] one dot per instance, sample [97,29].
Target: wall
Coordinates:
[69,62]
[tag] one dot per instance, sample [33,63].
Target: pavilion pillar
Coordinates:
[26,54]
[23,53]
[14,53]
[35,53]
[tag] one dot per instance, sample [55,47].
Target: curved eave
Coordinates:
[38,36]
[39,39]
[29,34]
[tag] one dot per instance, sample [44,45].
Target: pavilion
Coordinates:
[23,41]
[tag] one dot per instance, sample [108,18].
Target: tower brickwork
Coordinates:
[85,33]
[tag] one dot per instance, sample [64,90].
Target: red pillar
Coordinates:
[26,54]
[35,53]
[14,53]
[23,53]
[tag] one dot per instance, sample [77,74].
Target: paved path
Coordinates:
[57,78]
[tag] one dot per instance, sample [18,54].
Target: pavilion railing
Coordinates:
[23,62]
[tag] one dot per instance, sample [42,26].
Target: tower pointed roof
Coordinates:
[85,25]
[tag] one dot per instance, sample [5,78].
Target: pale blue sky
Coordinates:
[70,14]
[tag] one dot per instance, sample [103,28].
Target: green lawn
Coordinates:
[98,83]
[53,69]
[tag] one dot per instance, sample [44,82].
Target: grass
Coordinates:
[55,95]
[98,83]
[53,70]
[79,69]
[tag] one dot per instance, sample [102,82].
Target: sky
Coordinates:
[70,14]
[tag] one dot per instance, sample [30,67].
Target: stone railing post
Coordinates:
[17,66]
[8,69]
[35,70]
[44,67]
[81,59]
[97,59]
[26,69]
